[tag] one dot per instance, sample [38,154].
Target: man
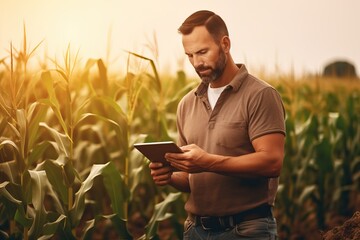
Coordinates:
[231,129]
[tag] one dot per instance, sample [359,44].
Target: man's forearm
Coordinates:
[180,181]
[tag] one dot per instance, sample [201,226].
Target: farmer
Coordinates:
[231,129]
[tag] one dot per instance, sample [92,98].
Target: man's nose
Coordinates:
[197,61]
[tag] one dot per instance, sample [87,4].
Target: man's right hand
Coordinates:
[161,174]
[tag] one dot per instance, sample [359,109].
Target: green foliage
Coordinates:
[322,148]
[160,214]
[67,165]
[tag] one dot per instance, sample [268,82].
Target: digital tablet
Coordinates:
[155,151]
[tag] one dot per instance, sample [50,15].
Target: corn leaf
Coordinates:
[37,152]
[10,169]
[19,160]
[55,174]
[115,187]
[156,78]
[120,126]
[53,101]
[39,186]
[22,218]
[36,114]
[10,199]
[5,193]
[160,214]
[323,151]
[113,183]
[60,225]
[308,191]
[62,140]
[103,76]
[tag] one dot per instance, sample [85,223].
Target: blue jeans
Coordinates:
[259,229]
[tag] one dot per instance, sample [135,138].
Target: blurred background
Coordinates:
[279,35]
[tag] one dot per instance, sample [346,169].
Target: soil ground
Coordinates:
[348,231]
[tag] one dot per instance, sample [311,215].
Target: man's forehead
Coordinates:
[199,38]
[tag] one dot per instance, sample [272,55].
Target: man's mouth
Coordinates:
[204,71]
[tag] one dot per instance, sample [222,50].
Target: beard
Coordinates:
[215,72]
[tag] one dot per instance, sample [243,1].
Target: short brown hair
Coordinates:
[213,23]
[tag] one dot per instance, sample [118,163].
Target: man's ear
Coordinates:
[225,44]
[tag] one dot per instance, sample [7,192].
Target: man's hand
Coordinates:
[193,160]
[161,174]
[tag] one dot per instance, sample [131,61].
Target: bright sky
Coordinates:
[266,34]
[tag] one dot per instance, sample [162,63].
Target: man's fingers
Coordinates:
[155,165]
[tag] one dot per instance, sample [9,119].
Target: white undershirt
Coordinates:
[214,94]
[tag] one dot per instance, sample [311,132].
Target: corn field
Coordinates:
[68,169]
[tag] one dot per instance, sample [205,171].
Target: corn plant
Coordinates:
[317,180]
[67,142]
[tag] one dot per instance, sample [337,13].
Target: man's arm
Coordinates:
[180,181]
[266,161]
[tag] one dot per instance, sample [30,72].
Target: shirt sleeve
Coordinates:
[267,114]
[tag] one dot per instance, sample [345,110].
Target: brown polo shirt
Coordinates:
[248,108]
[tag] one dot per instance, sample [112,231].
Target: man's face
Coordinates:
[206,56]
